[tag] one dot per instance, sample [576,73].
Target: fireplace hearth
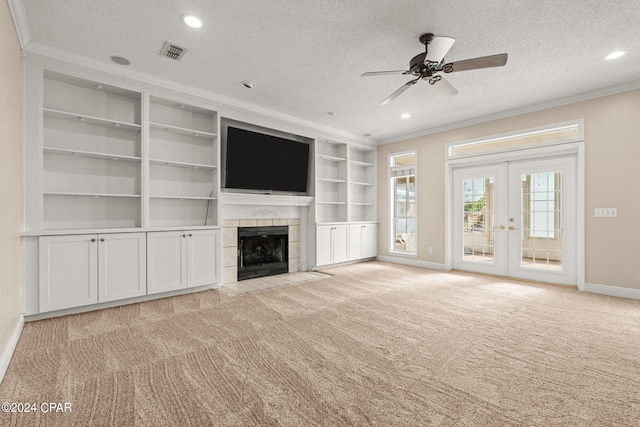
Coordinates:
[262,251]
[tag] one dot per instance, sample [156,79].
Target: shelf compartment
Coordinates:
[181,164]
[71,97]
[183,198]
[182,117]
[90,154]
[362,164]
[331,212]
[182,149]
[182,182]
[331,158]
[70,212]
[362,212]
[87,138]
[183,131]
[97,121]
[189,212]
[362,184]
[95,195]
[90,175]
[332,180]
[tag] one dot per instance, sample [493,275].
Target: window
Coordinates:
[553,135]
[402,174]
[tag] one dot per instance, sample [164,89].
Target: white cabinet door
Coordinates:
[202,256]
[340,243]
[369,240]
[166,261]
[324,250]
[68,271]
[355,240]
[122,266]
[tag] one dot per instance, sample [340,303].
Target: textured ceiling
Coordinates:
[306,56]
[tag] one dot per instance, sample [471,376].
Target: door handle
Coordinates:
[501,227]
[512,228]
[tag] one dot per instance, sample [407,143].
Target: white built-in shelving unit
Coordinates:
[361,180]
[345,182]
[345,202]
[183,164]
[331,181]
[113,176]
[91,155]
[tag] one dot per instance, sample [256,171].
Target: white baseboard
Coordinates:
[411,261]
[7,352]
[613,291]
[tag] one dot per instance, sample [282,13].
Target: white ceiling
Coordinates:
[306,56]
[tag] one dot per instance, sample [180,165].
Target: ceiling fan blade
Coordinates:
[444,88]
[476,63]
[384,73]
[400,91]
[438,48]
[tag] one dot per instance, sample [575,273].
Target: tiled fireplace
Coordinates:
[230,243]
[264,210]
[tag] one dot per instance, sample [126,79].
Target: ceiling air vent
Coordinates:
[172,51]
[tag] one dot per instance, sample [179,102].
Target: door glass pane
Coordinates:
[478,219]
[541,235]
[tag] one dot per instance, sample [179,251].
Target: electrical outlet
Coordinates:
[430,250]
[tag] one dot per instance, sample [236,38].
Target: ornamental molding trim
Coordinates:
[264,212]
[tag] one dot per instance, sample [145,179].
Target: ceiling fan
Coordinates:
[427,64]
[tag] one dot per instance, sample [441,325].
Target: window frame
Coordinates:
[392,207]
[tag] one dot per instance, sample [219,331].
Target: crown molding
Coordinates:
[572,99]
[68,62]
[19,16]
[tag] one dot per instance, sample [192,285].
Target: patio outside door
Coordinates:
[517,219]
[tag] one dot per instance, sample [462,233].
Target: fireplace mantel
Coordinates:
[264,200]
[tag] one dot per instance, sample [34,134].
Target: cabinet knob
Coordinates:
[190,234]
[102,239]
[184,235]
[93,240]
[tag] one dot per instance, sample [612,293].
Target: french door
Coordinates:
[517,219]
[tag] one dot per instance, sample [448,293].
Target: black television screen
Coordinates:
[256,161]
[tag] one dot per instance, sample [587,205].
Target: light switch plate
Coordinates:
[606,212]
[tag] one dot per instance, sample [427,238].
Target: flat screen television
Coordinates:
[255,161]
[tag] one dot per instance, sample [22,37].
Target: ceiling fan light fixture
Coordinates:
[614,55]
[192,21]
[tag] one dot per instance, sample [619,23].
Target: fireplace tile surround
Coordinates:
[230,243]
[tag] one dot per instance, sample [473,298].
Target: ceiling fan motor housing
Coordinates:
[419,68]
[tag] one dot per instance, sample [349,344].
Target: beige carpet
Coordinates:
[377,344]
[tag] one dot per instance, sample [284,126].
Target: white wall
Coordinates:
[10,107]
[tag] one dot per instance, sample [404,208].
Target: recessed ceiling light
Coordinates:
[332,113]
[616,54]
[405,116]
[248,84]
[192,21]
[366,134]
[120,60]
